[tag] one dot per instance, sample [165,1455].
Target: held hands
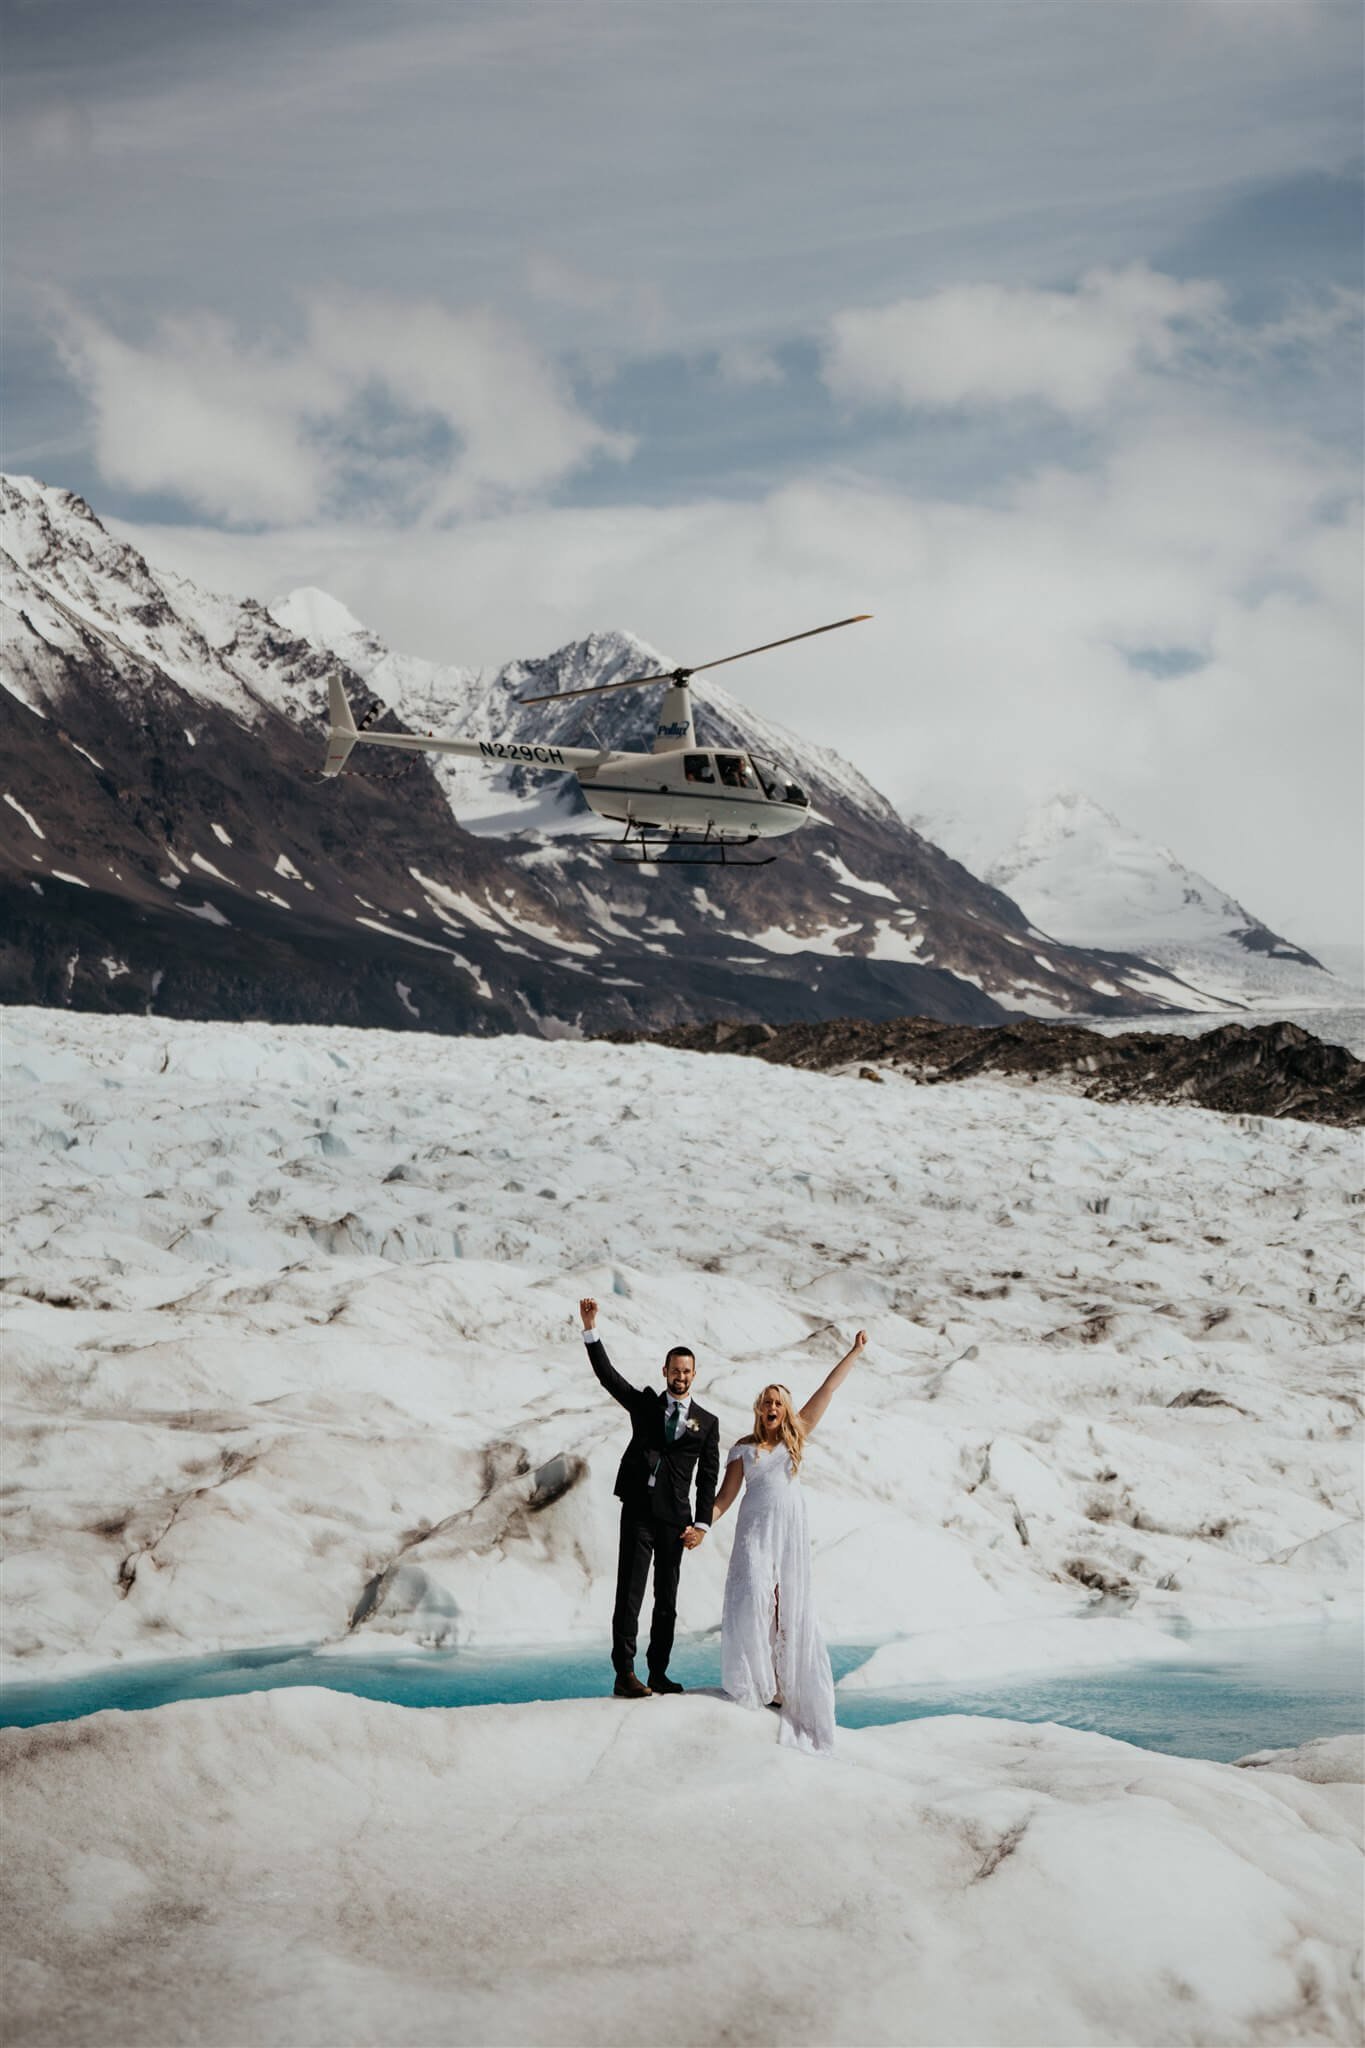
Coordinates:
[693,1536]
[587,1308]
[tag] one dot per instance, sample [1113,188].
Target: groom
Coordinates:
[672,1440]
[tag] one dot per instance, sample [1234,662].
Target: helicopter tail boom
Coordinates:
[343,734]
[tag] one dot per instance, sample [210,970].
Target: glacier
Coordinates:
[290,1324]
[290,1356]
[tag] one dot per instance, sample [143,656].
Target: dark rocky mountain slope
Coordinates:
[168,843]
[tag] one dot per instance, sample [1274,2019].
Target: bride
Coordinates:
[772,1651]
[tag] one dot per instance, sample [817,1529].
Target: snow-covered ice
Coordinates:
[291,1334]
[1058,1642]
[1329,1760]
[304,1867]
[291,1356]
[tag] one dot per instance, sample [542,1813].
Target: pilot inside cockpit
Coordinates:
[734,771]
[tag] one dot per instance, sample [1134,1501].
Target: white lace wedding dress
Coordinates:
[771,1645]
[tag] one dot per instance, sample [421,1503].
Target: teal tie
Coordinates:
[674,1419]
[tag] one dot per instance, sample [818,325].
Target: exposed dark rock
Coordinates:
[1109,1585]
[1249,1070]
[554,1479]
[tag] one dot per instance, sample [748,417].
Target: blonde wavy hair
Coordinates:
[791,1430]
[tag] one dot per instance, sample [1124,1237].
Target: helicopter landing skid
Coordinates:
[678,849]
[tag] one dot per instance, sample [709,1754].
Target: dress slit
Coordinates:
[772,1650]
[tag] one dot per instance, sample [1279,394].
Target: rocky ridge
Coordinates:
[1276,1070]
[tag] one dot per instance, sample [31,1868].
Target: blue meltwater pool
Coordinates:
[1229,1692]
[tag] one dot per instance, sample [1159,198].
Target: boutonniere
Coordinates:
[693,1424]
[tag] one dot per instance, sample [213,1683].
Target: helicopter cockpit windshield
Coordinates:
[780,787]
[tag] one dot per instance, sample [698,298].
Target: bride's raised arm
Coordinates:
[825,1392]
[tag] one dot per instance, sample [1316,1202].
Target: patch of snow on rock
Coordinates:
[853,881]
[27,816]
[776,940]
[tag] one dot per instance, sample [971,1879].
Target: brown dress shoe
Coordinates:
[628,1687]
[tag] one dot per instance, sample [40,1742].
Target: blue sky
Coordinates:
[1032,328]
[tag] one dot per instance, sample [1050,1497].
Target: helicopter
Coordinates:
[682,803]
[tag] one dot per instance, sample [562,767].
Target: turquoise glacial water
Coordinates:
[1229,1692]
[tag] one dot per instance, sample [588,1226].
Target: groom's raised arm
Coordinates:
[619,1389]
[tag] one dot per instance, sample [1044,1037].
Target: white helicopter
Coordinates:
[680,803]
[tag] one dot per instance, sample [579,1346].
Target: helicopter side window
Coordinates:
[734,771]
[697,768]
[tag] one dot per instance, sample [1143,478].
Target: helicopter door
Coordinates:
[698,768]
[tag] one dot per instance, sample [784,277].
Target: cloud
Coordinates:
[629,313]
[519,428]
[746,365]
[991,344]
[565,284]
[429,413]
[195,415]
[1310,326]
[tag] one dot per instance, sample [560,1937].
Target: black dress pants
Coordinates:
[645,1541]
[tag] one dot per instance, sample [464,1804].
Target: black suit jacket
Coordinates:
[694,1452]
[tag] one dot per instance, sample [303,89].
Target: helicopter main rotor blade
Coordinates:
[666,675]
[681,675]
[786,641]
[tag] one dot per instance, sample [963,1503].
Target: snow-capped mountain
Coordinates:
[169,842]
[1090,881]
